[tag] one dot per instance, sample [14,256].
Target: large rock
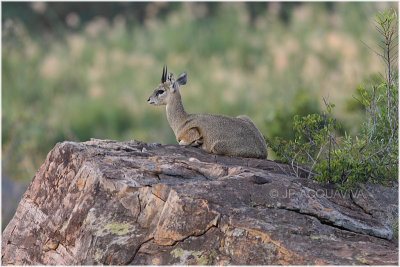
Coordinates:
[105,202]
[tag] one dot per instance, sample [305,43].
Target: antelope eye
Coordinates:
[160,92]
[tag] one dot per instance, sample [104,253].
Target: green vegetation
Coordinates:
[75,71]
[369,156]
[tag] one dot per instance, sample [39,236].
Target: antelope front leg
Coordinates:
[190,137]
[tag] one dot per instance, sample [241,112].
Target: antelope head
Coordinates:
[167,88]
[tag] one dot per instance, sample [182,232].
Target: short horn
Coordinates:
[166,73]
[162,76]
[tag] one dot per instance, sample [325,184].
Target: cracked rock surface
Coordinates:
[107,202]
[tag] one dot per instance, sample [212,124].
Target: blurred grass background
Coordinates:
[75,71]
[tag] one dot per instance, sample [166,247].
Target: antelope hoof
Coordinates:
[197,143]
[183,143]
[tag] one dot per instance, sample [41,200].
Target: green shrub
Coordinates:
[372,155]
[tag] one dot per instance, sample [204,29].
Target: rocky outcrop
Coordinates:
[105,202]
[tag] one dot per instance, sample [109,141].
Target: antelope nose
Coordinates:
[148,100]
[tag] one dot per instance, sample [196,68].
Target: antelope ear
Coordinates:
[182,79]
